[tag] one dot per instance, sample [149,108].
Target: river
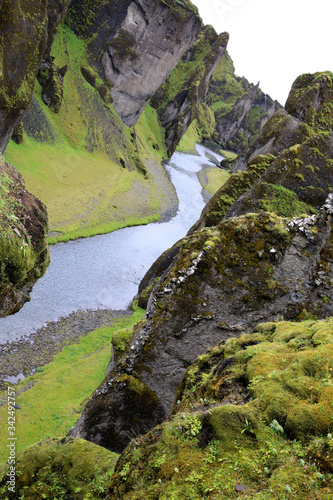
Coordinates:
[104,271]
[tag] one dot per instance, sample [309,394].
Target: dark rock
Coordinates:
[27,31]
[24,254]
[244,271]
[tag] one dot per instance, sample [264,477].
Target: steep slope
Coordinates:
[134,45]
[241,109]
[224,279]
[75,121]
[32,26]
[178,100]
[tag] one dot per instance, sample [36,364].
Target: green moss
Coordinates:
[58,468]
[76,169]
[282,201]
[238,412]
[236,185]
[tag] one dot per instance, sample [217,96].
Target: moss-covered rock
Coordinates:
[54,468]
[241,109]
[234,422]
[119,37]
[32,26]
[24,254]
[225,280]
[178,99]
[237,185]
[310,100]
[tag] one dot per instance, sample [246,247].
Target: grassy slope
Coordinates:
[53,398]
[76,169]
[213,178]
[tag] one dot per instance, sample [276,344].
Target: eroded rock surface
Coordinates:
[24,254]
[135,45]
[177,109]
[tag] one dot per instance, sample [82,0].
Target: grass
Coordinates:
[52,399]
[213,178]
[83,192]
[92,178]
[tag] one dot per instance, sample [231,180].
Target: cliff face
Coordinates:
[254,256]
[243,123]
[179,98]
[135,45]
[24,254]
[241,109]
[26,30]
[307,111]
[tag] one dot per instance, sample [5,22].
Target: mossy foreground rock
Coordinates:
[24,254]
[227,279]
[54,468]
[253,414]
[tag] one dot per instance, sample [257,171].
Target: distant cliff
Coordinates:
[241,109]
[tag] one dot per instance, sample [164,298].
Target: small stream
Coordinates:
[104,271]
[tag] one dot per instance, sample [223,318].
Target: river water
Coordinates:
[104,271]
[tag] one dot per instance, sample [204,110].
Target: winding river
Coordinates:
[104,271]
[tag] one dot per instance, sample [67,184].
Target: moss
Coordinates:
[246,401]
[54,468]
[231,422]
[235,186]
[307,91]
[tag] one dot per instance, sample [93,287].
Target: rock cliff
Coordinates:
[135,45]
[24,254]
[177,100]
[27,30]
[241,109]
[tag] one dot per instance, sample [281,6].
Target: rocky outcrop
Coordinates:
[27,29]
[258,403]
[254,256]
[307,111]
[178,109]
[24,254]
[135,45]
[241,109]
[244,121]
[226,280]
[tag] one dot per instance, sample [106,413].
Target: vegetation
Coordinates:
[252,415]
[52,399]
[88,175]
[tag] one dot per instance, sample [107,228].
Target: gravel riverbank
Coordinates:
[20,358]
